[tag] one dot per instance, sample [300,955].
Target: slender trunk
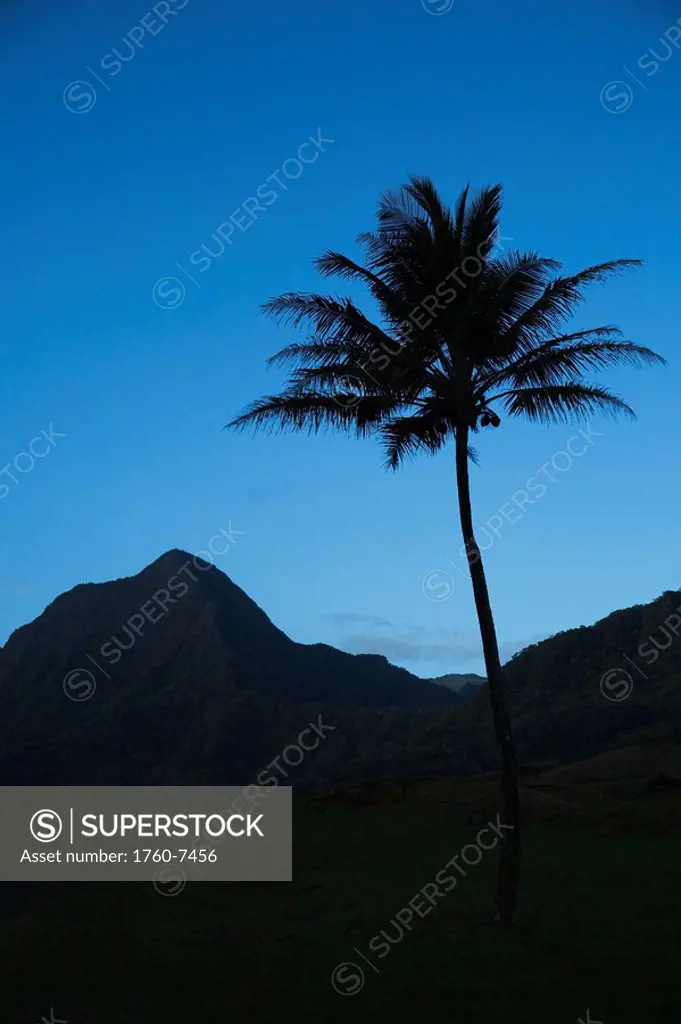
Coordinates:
[506,904]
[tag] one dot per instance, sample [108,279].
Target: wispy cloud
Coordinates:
[403,648]
[370,634]
[352,619]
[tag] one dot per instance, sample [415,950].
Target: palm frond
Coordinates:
[460,213]
[424,193]
[335,264]
[406,436]
[400,209]
[510,286]
[563,403]
[334,320]
[349,375]
[309,353]
[559,301]
[311,412]
[570,357]
[481,227]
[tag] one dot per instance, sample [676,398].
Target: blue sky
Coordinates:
[116,171]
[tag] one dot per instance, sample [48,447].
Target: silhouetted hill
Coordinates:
[591,689]
[193,684]
[559,688]
[191,677]
[465,684]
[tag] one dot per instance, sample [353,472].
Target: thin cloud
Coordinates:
[352,619]
[370,634]
[397,648]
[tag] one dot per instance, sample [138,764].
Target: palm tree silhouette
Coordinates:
[462,332]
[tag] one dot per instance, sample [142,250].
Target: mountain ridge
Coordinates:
[192,683]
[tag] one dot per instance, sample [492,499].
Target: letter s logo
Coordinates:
[45,826]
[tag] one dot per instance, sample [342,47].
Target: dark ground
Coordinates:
[600,926]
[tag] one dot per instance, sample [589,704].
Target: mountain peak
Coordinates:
[176,657]
[174,556]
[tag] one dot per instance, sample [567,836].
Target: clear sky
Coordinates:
[105,192]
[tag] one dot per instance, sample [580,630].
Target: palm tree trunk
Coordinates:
[506,903]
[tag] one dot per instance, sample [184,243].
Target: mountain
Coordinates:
[464,684]
[597,687]
[175,676]
[587,691]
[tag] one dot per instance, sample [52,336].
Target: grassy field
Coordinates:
[600,925]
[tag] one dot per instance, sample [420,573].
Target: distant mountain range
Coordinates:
[465,685]
[175,676]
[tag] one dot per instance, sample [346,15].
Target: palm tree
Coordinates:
[463,334]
